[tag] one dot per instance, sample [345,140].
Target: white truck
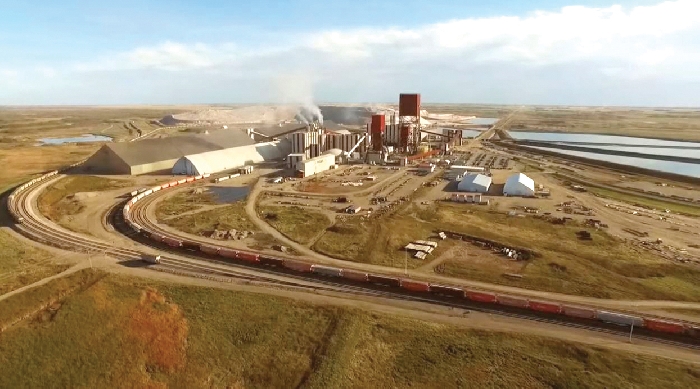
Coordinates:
[155,259]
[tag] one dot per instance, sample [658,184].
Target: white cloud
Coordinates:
[553,48]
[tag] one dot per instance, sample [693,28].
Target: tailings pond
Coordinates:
[611,143]
[87,138]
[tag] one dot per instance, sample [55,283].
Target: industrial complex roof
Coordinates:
[280,129]
[150,150]
[220,160]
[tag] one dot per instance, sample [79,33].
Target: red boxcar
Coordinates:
[211,250]
[355,275]
[157,237]
[582,313]
[415,286]
[172,242]
[693,331]
[190,244]
[383,280]
[271,261]
[248,256]
[510,301]
[172,183]
[481,297]
[297,266]
[228,253]
[451,291]
[545,307]
[664,326]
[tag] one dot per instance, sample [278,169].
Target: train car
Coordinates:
[415,286]
[172,242]
[271,261]
[510,301]
[449,291]
[693,330]
[297,266]
[664,326]
[165,186]
[620,319]
[134,193]
[249,257]
[206,175]
[182,181]
[384,280]
[326,271]
[228,253]
[189,179]
[354,275]
[211,250]
[541,306]
[148,193]
[578,312]
[136,227]
[189,244]
[156,237]
[155,188]
[172,183]
[482,297]
[198,177]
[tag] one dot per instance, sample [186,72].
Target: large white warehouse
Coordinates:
[312,166]
[220,160]
[519,185]
[479,183]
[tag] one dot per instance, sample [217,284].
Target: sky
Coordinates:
[550,52]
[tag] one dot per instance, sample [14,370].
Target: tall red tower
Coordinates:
[377,131]
[409,121]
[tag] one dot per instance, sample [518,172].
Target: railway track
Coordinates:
[38,228]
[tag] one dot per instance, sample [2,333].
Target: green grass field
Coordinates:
[605,267]
[22,265]
[298,224]
[55,201]
[645,201]
[122,332]
[221,218]
[184,201]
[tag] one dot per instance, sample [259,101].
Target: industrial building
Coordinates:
[519,185]
[236,157]
[309,167]
[478,183]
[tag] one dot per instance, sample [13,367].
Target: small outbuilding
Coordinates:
[479,183]
[519,185]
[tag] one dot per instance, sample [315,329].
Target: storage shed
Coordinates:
[316,165]
[478,183]
[519,185]
[221,160]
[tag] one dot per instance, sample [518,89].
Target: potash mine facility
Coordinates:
[308,145]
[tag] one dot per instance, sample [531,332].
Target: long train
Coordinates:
[656,324]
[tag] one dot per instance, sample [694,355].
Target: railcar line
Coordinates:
[38,228]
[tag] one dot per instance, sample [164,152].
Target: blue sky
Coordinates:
[514,52]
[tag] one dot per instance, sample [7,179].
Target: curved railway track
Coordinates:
[38,228]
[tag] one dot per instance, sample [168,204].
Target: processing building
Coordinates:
[519,185]
[479,183]
[160,155]
[220,160]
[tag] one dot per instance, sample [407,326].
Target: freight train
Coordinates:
[409,285]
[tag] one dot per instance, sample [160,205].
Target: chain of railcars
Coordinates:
[414,287]
[651,323]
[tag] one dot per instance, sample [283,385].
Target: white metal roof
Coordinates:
[220,160]
[519,185]
[475,183]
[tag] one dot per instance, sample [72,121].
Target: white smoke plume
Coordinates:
[297,89]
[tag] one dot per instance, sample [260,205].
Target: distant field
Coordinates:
[122,333]
[649,123]
[184,201]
